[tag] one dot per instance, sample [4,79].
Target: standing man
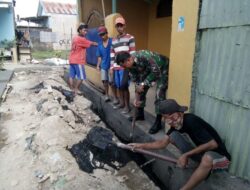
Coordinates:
[147,67]
[209,148]
[122,43]
[77,58]
[103,54]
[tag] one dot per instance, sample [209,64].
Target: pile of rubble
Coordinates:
[38,123]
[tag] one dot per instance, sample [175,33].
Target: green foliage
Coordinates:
[63,54]
[7,44]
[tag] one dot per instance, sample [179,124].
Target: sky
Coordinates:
[28,8]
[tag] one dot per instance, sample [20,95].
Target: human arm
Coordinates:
[159,144]
[112,58]
[94,44]
[83,42]
[183,159]
[154,73]
[99,59]
[131,45]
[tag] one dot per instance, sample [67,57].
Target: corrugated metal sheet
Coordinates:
[221,92]
[59,8]
[225,65]
[224,13]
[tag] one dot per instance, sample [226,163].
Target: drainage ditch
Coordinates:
[98,146]
[97,150]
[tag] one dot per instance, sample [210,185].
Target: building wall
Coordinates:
[221,90]
[7,29]
[34,34]
[137,19]
[159,32]
[182,50]
[128,9]
[94,7]
[65,27]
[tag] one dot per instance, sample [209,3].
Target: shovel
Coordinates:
[131,134]
[146,152]
[102,138]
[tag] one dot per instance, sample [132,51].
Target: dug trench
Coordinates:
[165,173]
[39,125]
[98,150]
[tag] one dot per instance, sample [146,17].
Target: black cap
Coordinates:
[170,106]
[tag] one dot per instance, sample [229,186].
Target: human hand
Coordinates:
[135,145]
[98,68]
[111,72]
[139,88]
[94,44]
[137,103]
[182,161]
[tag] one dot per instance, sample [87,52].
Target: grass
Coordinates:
[63,54]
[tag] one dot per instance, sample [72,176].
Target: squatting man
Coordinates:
[209,149]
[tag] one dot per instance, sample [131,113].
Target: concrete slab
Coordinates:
[2,88]
[5,76]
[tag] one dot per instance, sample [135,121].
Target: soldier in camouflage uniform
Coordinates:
[146,68]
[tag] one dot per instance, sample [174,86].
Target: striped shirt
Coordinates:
[122,43]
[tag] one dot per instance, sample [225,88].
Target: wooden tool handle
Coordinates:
[146,152]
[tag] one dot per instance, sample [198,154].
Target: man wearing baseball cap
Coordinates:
[123,42]
[103,54]
[209,148]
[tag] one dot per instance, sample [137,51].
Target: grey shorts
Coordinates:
[105,75]
[184,144]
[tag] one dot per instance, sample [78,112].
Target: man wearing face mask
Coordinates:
[209,148]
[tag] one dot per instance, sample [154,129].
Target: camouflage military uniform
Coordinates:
[150,67]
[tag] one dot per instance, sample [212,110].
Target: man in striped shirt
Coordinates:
[122,43]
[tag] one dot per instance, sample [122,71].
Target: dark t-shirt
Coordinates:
[201,132]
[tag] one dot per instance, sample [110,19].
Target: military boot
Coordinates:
[156,126]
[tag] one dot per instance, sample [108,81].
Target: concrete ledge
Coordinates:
[173,178]
[2,88]
[6,75]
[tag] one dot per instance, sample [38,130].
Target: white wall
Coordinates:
[64,26]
